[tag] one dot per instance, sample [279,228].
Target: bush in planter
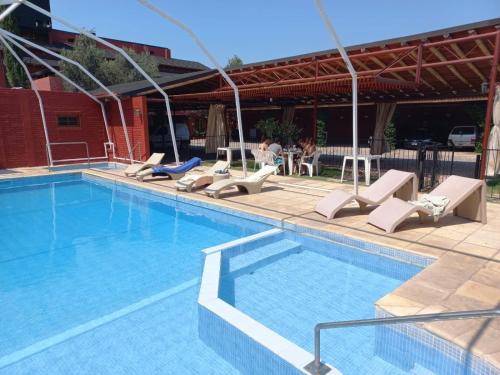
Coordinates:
[321,134]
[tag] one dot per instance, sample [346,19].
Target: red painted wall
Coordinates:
[22,142]
[49,83]
[59,36]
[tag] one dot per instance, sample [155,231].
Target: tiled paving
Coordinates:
[465,275]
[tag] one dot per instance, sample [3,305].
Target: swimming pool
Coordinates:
[100,278]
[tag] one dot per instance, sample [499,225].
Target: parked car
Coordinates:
[421,138]
[463,136]
[162,137]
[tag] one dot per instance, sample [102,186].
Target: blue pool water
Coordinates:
[101,279]
[294,282]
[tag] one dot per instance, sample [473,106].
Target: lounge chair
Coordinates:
[393,183]
[467,198]
[174,173]
[154,159]
[191,181]
[251,184]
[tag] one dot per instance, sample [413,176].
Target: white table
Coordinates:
[228,151]
[368,165]
[290,155]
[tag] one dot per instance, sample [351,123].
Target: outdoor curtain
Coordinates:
[493,153]
[288,114]
[385,111]
[216,128]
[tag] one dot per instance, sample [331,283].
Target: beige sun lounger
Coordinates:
[467,199]
[393,183]
[250,185]
[154,159]
[187,183]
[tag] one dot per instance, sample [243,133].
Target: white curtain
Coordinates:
[216,128]
[493,154]
[385,111]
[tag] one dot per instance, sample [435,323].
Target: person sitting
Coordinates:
[276,147]
[264,145]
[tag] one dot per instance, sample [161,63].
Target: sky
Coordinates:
[258,30]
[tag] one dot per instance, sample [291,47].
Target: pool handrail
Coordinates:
[316,367]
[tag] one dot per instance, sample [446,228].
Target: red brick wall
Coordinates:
[136,118]
[22,142]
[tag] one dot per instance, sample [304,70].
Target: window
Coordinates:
[466,130]
[68,121]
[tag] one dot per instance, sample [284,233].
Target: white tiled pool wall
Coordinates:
[245,343]
[439,354]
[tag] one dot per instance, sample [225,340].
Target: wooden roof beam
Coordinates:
[471,66]
[414,74]
[482,47]
[432,71]
[377,61]
[452,69]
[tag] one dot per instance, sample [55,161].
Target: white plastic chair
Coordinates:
[312,164]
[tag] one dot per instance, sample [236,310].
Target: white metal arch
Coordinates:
[230,82]
[39,98]
[55,71]
[354,76]
[129,59]
[78,65]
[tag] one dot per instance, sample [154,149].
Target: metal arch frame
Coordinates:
[38,96]
[230,82]
[354,76]
[129,59]
[79,66]
[12,5]
[55,71]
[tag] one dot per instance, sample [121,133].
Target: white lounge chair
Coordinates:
[250,185]
[467,198]
[393,183]
[187,183]
[154,159]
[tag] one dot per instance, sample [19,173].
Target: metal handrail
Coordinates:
[316,367]
[72,143]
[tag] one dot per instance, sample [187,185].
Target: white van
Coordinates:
[463,136]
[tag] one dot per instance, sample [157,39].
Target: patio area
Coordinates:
[465,275]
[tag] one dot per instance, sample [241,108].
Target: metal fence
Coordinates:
[431,162]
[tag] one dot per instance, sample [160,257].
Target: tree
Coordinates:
[110,71]
[234,62]
[13,70]
[86,52]
[321,133]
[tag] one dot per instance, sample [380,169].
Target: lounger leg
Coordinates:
[343,169]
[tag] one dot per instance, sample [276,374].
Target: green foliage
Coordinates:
[234,62]
[477,113]
[390,135]
[268,127]
[108,71]
[321,133]
[13,70]
[287,133]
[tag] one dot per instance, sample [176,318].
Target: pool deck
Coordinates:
[465,275]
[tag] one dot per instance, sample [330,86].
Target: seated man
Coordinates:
[276,147]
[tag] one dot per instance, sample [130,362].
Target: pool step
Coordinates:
[254,259]
[420,370]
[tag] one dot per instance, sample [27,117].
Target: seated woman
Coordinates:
[264,145]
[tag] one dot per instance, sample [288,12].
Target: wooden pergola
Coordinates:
[459,63]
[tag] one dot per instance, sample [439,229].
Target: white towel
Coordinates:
[436,203]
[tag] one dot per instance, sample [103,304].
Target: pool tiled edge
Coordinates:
[248,345]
